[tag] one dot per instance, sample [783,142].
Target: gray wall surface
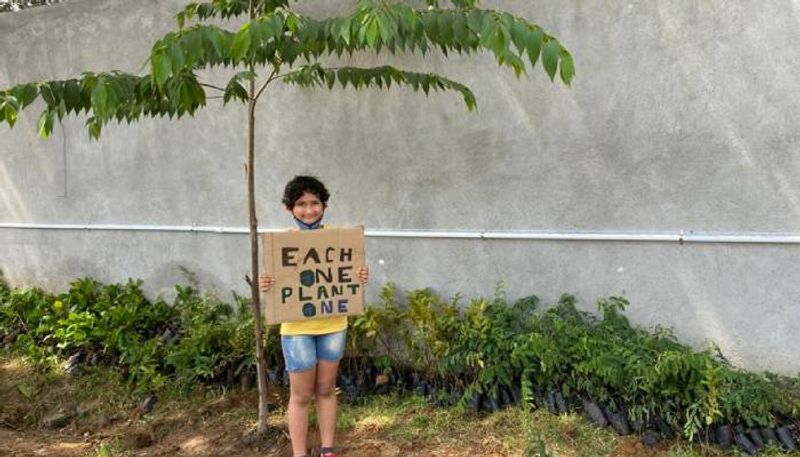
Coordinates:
[683,116]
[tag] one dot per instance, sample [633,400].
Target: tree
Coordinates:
[278,44]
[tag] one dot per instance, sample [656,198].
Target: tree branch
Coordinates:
[271,78]
[211,86]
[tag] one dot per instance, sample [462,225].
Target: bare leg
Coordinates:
[326,401]
[302,385]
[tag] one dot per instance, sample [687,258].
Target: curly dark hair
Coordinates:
[301,184]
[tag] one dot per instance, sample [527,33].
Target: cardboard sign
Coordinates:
[315,274]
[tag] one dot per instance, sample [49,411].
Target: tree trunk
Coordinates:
[261,369]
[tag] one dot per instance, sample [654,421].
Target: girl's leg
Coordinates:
[326,401]
[300,354]
[301,385]
[330,349]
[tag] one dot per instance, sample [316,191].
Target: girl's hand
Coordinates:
[265,282]
[363,275]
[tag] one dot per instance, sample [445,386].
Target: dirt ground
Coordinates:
[104,422]
[214,439]
[217,441]
[219,425]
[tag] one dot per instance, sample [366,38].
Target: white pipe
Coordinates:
[680,237]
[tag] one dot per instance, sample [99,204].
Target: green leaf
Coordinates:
[445,28]
[72,96]
[567,67]
[161,67]
[47,94]
[372,32]
[241,43]
[198,93]
[192,44]
[519,32]
[10,113]
[460,29]
[430,25]
[533,44]
[95,127]
[25,93]
[217,39]
[259,32]
[550,57]
[387,28]
[187,97]
[290,52]
[475,20]
[234,90]
[176,58]
[487,31]
[275,26]
[46,124]
[344,31]
[293,23]
[100,99]
[498,42]
[330,79]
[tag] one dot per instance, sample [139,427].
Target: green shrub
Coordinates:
[481,347]
[213,337]
[648,373]
[194,339]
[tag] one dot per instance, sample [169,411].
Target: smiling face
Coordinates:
[308,208]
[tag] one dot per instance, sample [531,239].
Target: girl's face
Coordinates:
[308,208]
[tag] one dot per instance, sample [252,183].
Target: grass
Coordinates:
[512,432]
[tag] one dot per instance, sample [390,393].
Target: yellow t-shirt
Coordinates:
[320,326]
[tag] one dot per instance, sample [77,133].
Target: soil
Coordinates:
[631,446]
[216,426]
[214,438]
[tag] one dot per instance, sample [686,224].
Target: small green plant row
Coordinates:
[484,354]
[492,352]
[194,338]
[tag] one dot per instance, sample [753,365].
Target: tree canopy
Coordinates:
[291,45]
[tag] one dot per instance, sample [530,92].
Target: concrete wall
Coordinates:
[683,116]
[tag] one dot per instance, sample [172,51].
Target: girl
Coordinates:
[312,349]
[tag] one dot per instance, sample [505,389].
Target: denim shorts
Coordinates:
[301,352]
